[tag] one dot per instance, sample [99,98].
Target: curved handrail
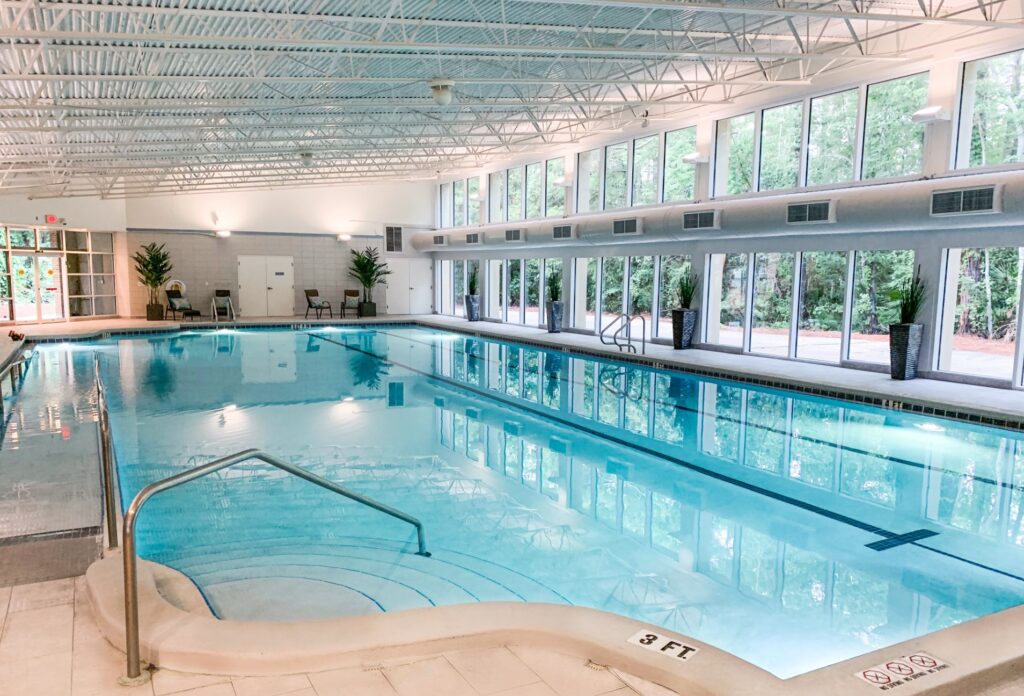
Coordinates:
[131,589]
[16,381]
[107,466]
[608,328]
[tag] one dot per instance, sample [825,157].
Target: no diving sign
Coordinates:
[901,670]
[664,645]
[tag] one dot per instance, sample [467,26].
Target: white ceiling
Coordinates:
[127,98]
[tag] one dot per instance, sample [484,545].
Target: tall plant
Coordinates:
[686,288]
[554,287]
[153,264]
[910,297]
[471,281]
[368,270]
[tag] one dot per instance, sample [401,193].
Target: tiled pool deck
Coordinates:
[50,646]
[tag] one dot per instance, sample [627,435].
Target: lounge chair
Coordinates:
[317,304]
[350,301]
[180,305]
[222,306]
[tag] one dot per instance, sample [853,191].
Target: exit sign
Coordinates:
[51,219]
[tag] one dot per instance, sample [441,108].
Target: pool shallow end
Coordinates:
[982,653]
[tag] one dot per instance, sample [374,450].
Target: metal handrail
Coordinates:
[606,329]
[107,466]
[9,370]
[627,326]
[131,589]
[230,306]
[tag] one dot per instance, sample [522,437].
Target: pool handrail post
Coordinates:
[106,456]
[134,671]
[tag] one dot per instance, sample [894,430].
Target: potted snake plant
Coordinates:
[905,337]
[684,318]
[369,271]
[472,298]
[153,264]
[554,304]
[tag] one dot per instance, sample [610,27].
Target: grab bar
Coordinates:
[131,589]
[9,370]
[621,323]
[229,310]
[107,466]
[608,328]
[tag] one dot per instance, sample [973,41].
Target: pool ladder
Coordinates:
[128,553]
[623,336]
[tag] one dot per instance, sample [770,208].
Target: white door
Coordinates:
[252,286]
[266,286]
[410,286]
[398,286]
[280,286]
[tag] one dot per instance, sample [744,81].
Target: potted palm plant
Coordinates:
[472,298]
[554,304]
[684,319]
[153,264]
[369,271]
[905,337]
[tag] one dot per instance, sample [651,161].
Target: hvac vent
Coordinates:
[964,201]
[627,226]
[561,232]
[472,238]
[440,240]
[701,220]
[818,211]
[513,235]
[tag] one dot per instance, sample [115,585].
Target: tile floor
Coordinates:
[50,646]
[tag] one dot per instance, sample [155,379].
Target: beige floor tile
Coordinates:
[37,632]
[95,668]
[5,599]
[428,678]
[40,595]
[351,682]
[167,681]
[567,675]
[270,686]
[624,691]
[214,690]
[538,689]
[49,675]
[490,670]
[642,686]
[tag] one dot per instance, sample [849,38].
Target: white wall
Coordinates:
[91,213]
[328,210]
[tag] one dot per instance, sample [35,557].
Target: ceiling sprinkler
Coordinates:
[442,90]
[306,158]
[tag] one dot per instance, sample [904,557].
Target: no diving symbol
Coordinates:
[876,677]
[899,668]
[924,661]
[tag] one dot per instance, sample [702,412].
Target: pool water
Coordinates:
[789,530]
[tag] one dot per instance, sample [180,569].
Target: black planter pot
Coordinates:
[367,309]
[684,324]
[554,316]
[472,307]
[154,312]
[904,350]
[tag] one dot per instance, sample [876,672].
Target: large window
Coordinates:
[822,296]
[680,176]
[495,289]
[459,203]
[877,276]
[514,189]
[727,299]
[514,301]
[613,284]
[641,293]
[773,304]
[832,138]
[672,269]
[498,196]
[446,205]
[979,335]
[473,204]
[534,191]
[459,287]
[780,146]
[532,292]
[645,170]
[588,181]
[992,112]
[735,158]
[555,197]
[584,293]
[616,164]
[893,143]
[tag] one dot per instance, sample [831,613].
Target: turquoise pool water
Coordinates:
[790,530]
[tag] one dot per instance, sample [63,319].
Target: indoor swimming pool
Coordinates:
[790,530]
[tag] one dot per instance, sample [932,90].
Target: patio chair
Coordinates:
[317,304]
[178,304]
[350,301]
[222,306]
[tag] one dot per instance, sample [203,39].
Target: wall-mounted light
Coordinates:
[344,238]
[565,181]
[695,158]
[223,234]
[930,114]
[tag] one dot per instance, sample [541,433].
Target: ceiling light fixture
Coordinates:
[441,88]
[344,238]
[306,158]
[223,234]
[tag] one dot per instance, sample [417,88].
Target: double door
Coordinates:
[266,286]
[38,281]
